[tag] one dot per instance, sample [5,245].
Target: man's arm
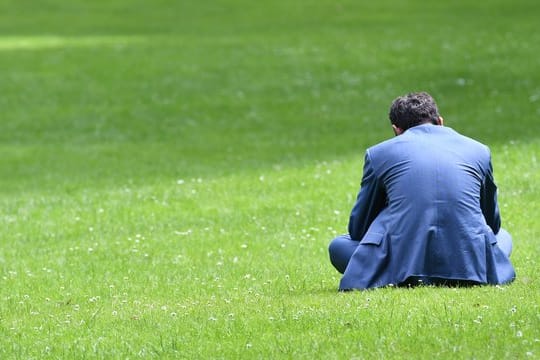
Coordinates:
[369,203]
[488,201]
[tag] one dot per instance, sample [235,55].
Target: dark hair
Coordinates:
[413,109]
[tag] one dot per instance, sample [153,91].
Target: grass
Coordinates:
[172,173]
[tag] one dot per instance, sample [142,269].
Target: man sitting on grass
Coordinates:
[427,209]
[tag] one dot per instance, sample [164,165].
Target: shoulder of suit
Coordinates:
[410,136]
[474,142]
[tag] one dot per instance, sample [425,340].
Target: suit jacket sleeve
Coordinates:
[369,203]
[488,201]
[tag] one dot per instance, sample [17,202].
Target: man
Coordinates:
[427,209]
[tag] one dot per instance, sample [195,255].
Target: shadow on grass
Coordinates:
[97,110]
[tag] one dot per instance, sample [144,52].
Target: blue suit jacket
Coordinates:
[427,209]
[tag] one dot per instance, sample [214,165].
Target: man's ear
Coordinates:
[397,130]
[440,121]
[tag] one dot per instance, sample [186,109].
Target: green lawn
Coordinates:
[171,174]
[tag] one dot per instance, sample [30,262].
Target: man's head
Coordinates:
[413,109]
